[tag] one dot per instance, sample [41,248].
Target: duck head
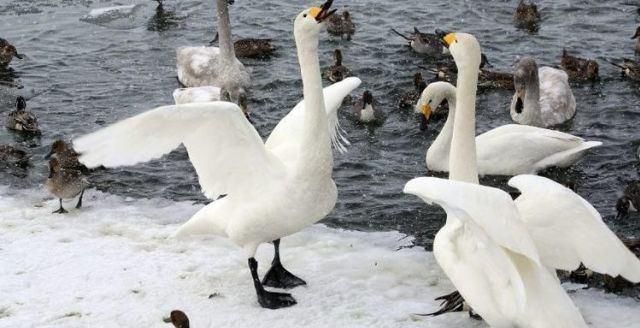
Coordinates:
[623,205]
[525,75]
[58,147]
[367,99]
[637,34]
[8,51]
[21,103]
[337,55]
[178,318]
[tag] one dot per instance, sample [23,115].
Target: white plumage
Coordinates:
[501,254]
[506,150]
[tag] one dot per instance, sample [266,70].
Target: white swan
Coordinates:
[201,94]
[543,96]
[201,66]
[506,150]
[500,254]
[273,189]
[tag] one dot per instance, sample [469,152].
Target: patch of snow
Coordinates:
[113,264]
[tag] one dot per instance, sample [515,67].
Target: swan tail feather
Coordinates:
[567,157]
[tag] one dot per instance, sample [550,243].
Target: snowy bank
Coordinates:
[113,264]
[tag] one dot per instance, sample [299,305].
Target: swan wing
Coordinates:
[491,209]
[516,149]
[557,103]
[224,148]
[567,230]
[290,128]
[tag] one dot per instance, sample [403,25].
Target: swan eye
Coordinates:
[429,101]
[305,15]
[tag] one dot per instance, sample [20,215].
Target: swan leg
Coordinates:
[61,210]
[278,276]
[80,199]
[269,300]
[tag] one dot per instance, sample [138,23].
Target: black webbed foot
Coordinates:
[273,300]
[278,276]
[61,210]
[452,302]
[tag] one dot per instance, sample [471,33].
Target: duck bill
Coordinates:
[325,11]
[635,36]
[19,56]
[47,156]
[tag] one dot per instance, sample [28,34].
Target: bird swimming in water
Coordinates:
[527,16]
[7,52]
[630,200]
[637,37]
[65,183]
[251,47]
[579,69]
[21,120]
[542,95]
[337,72]
[423,43]
[364,109]
[409,98]
[13,156]
[629,68]
[341,25]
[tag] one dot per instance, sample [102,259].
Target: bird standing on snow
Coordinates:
[65,183]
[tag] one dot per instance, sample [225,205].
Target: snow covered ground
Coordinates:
[114,264]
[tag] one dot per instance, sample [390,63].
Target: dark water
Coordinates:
[88,74]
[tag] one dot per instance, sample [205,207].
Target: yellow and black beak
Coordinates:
[323,12]
[446,38]
[426,111]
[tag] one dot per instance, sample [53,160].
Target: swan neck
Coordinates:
[441,146]
[316,144]
[462,160]
[224,32]
[531,101]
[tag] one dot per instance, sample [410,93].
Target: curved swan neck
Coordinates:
[315,145]
[462,160]
[531,101]
[227,52]
[441,146]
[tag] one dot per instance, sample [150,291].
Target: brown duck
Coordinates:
[630,68]
[409,99]
[337,72]
[579,69]
[7,52]
[67,157]
[341,25]
[178,318]
[637,37]
[13,156]
[527,16]
[65,183]
[21,120]
[251,47]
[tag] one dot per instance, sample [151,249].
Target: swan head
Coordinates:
[310,21]
[526,74]
[237,95]
[432,96]
[465,50]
